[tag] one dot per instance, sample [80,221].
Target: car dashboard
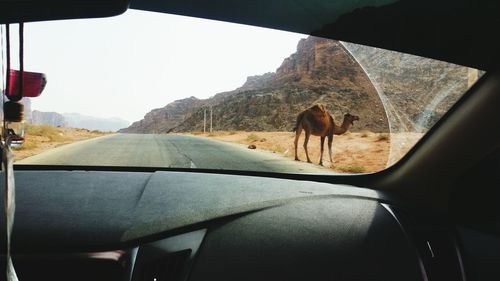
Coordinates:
[166,225]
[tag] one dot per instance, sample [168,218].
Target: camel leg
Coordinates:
[330,141]
[298,131]
[321,155]
[305,145]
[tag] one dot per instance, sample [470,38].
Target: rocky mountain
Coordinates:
[48,118]
[320,71]
[166,118]
[76,120]
[416,91]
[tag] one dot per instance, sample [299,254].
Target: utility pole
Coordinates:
[204,120]
[210,119]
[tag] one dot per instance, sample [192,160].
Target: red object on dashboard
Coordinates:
[33,84]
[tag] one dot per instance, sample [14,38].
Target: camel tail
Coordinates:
[299,120]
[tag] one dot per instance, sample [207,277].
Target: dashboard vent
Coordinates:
[171,267]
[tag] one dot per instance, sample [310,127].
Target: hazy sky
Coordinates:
[127,65]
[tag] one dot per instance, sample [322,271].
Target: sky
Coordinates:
[127,65]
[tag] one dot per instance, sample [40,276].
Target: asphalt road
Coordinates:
[169,151]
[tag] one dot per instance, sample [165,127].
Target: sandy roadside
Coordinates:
[358,152]
[36,144]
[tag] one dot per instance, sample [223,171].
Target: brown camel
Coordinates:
[317,121]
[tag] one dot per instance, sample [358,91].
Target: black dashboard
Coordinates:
[91,225]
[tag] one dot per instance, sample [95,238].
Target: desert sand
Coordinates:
[359,152]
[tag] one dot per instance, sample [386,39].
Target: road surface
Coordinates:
[169,151]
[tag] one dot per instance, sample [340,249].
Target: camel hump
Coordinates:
[318,107]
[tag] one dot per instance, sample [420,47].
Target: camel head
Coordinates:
[349,119]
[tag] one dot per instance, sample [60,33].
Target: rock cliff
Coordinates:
[320,71]
[416,91]
[163,119]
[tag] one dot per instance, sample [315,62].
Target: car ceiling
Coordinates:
[457,31]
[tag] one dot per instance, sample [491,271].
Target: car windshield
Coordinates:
[155,90]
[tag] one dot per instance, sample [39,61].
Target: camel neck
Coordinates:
[339,130]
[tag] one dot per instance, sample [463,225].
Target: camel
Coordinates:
[317,121]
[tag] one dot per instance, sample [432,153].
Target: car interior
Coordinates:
[434,215]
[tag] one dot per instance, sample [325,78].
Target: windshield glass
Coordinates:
[155,90]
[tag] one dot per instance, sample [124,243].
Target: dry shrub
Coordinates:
[252,137]
[278,148]
[383,137]
[216,133]
[52,133]
[365,134]
[40,130]
[353,169]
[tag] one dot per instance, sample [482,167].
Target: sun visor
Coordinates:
[12,11]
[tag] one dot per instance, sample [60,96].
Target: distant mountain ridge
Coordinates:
[72,120]
[77,120]
[48,118]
